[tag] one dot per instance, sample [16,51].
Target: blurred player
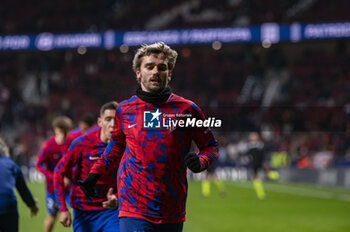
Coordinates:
[50,153]
[85,124]
[152,183]
[256,152]
[210,177]
[11,177]
[101,213]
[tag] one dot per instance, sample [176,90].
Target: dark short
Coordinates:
[103,221]
[257,164]
[9,222]
[131,224]
[211,169]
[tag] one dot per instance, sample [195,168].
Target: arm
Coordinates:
[205,140]
[66,163]
[109,159]
[25,193]
[41,165]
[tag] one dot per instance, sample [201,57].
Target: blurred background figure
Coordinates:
[11,177]
[86,124]
[256,154]
[209,178]
[50,153]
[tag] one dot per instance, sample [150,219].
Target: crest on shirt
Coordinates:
[151,119]
[171,121]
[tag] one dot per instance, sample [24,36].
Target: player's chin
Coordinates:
[156,87]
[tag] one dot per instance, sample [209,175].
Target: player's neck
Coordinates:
[60,140]
[104,138]
[158,97]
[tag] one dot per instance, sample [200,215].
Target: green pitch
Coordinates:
[287,207]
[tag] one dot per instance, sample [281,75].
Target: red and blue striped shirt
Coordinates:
[152,182]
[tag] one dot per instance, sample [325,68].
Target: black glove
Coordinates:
[192,162]
[87,185]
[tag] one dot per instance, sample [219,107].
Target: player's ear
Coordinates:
[99,121]
[138,75]
[169,77]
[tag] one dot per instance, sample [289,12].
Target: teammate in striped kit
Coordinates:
[86,124]
[153,138]
[99,214]
[50,153]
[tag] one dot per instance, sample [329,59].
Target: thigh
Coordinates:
[67,198]
[131,224]
[109,219]
[51,204]
[96,221]
[82,221]
[9,222]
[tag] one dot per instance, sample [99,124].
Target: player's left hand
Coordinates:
[67,182]
[34,210]
[112,200]
[192,162]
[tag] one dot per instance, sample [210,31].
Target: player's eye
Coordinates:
[162,67]
[150,67]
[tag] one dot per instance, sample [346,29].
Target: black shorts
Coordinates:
[212,167]
[257,163]
[9,222]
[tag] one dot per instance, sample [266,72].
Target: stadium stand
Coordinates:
[76,16]
[268,89]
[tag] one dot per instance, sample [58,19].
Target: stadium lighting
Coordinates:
[81,50]
[124,48]
[266,43]
[216,45]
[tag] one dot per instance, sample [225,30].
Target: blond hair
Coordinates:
[154,48]
[62,122]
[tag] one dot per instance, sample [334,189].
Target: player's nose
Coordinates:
[112,124]
[155,70]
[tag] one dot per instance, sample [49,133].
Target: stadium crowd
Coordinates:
[75,16]
[300,91]
[297,93]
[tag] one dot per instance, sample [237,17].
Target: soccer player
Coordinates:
[85,124]
[11,177]
[256,153]
[152,182]
[101,213]
[210,176]
[50,153]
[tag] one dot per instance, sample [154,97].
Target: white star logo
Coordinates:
[156,115]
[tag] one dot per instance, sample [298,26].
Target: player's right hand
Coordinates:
[67,182]
[65,218]
[87,185]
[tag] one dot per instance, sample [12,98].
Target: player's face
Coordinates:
[83,126]
[60,135]
[154,74]
[106,122]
